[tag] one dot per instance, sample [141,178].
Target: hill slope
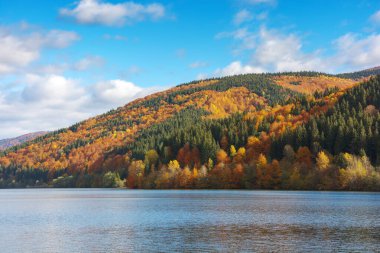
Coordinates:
[361,74]
[7,143]
[246,131]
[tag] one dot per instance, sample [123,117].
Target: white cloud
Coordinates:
[278,52]
[98,12]
[273,51]
[85,63]
[109,94]
[58,39]
[49,102]
[354,52]
[247,39]
[240,33]
[236,68]
[51,68]
[46,102]
[15,53]
[19,50]
[51,90]
[89,62]
[375,18]
[198,64]
[116,91]
[242,16]
[202,76]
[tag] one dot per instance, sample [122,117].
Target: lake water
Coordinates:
[79,220]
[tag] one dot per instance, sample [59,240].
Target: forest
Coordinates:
[298,131]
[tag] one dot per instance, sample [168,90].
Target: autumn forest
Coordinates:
[299,131]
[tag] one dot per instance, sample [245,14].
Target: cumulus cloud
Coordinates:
[19,50]
[45,102]
[246,38]
[237,68]
[240,33]
[375,18]
[279,52]
[116,91]
[355,52]
[49,102]
[15,53]
[51,68]
[202,76]
[109,14]
[57,39]
[81,65]
[51,90]
[242,16]
[89,62]
[273,51]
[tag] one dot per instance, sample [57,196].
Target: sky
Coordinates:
[64,61]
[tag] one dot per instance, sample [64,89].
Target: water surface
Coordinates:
[80,220]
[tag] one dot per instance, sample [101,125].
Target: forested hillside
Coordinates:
[361,74]
[302,130]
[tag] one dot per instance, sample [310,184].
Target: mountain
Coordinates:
[10,142]
[361,74]
[304,130]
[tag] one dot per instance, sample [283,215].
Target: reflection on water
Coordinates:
[47,220]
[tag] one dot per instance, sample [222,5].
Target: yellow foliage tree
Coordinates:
[174,165]
[323,161]
[240,155]
[252,141]
[261,169]
[232,150]
[262,161]
[359,174]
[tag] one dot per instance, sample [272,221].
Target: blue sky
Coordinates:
[63,61]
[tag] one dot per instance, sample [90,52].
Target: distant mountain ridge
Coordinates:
[10,142]
[361,74]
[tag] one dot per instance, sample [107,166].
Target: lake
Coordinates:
[97,220]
